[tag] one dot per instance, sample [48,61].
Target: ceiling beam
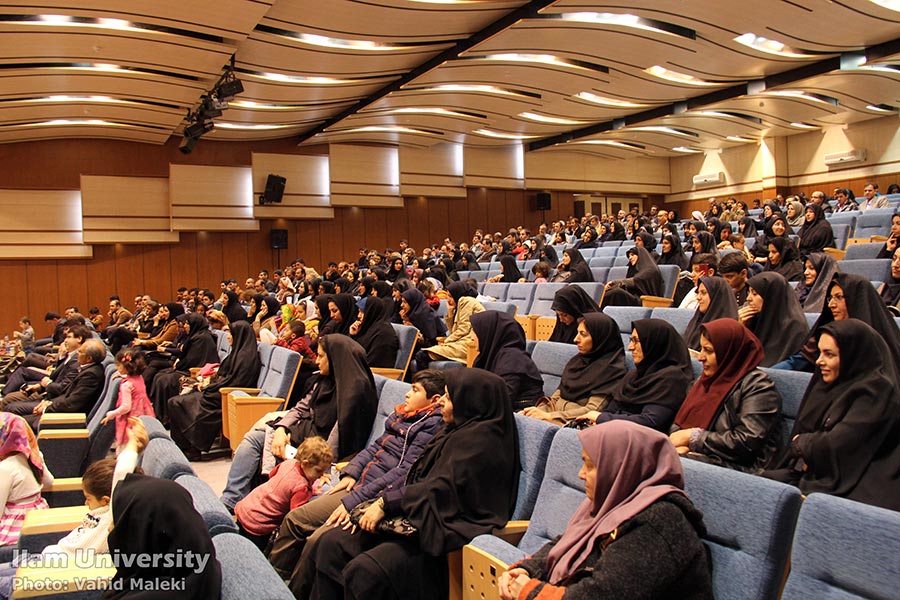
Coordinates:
[527,11]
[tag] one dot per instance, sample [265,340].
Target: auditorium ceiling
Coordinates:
[638,78]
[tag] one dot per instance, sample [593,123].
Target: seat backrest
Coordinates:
[527,265]
[543,298]
[811,318]
[841,233]
[613,244]
[283,367]
[480,275]
[620,261]
[442,309]
[858,251]
[624,248]
[392,393]
[496,290]
[551,359]
[602,261]
[535,437]
[154,428]
[872,223]
[588,253]
[407,337]
[521,294]
[594,290]
[265,358]
[108,370]
[560,494]
[217,518]
[600,274]
[624,315]
[676,317]
[873,269]
[162,458]
[844,549]
[493,273]
[246,572]
[670,279]
[222,345]
[750,521]
[617,272]
[105,404]
[606,251]
[792,386]
[507,307]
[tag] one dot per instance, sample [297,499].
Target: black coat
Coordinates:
[83,393]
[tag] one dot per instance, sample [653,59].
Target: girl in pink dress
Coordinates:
[133,400]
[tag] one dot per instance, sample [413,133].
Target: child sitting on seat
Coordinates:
[22,476]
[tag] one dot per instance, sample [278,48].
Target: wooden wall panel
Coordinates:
[417,216]
[130,270]
[353,231]
[306,192]
[477,201]
[158,280]
[41,224]
[501,167]
[398,227]
[364,176]
[376,220]
[496,211]
[126,209]
[183,261]
[458,222]
[210,264]
[310,246]
[438,220]
[207,198]
[42,289]
[515,207]
[433,172]
[70,280]
[14,276]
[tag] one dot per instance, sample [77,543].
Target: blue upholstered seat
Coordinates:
[496,290]
[792,386]
[507,307]
[551,359]
[873,269]
[217,518]
[624,316]
[245,571]
[535,437]
[676,317]
[858,251]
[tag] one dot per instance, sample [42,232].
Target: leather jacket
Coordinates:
[748,428]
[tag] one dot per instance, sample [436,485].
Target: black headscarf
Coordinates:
[812,298]
[421,315]
[176,309]
[366,284]
[511,272]
[790,267]
[233,310]
[718,226]
[200,347]
[347,306]
[617,232]
[345,396]
[722,305]
[273,307]
[393,273]
[382,289]
[863,303]
[664,376]
[345,285]
[847,430]
[600,371]
[548,254]
[572,300]
[708,243]
[578,267]
[501,345]
[324,313]
[256,306]
[156,517]
[591,242]
[749,230]
[817,234]
[376,335]
[471,262]
[459,289]
[676,256]
[649,240]
[780,326]
[465,482]
[645,275]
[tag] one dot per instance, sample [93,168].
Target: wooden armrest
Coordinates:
[51,520]
[63,419]
[39,582]
[251,391]
[878,238]
[656,301]
[471,352]
[835,253]
[64,484]
[389,373]
[255,400]
[62,434]
[534,317]
[512,532]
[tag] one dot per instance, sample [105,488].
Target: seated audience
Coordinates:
[784,259]
[672,252]
[774,316]
[816,233]
[573,268]
[509,271]
[715,300]
[642,279]
[500,342]
[635,508]
[890,245]
[570,304]
[817,275]
[22,476]
[416,312]
[462,305]
[734,269]
[374,332]
[732,415]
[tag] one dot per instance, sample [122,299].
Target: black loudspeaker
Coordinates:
[544,201]
[274,188]
[278,239]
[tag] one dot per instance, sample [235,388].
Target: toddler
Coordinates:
[133,400]
[22,476]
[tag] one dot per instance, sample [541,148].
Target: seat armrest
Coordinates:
[835,253]
[228,390]
[388,372]
[656,301]
[64,484]
[512,532]
[57,419]
[63,434]
[50,520]
[46,582]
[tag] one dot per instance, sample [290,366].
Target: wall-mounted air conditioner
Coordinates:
[709,179]
[848,156]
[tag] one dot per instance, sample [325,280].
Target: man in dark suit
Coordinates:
[85,389]
[49,385]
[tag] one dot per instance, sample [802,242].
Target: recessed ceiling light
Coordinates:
[675,76]
[551,120]
[625,20]
[424,110]
[821,98]
[386,129]
[882,108]
[888,4]
[686,150]
[613,143]
[738,138]
[751,40]
[605,101]
[540,59]
[248,126]
[300,79]
[477,89]
[504,136]
[802,125]
[58,122]
[322,41]
[666,130]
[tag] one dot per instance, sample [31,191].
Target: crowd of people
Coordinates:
[446,467]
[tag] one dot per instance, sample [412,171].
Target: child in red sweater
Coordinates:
[293,337]
[290,485]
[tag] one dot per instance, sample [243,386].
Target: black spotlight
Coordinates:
[187,145]
[198,128]
[229,88]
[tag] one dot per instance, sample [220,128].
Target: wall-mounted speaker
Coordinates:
[544,201]
[278,239]
[274,189]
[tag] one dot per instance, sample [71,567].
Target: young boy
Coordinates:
[290,485]
[292,338]
[26,336]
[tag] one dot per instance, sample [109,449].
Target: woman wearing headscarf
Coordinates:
[266,319]
[285,290]
[383,289]
[573,268]
[231,306]
[342,310]
[590,377]
[195,419]
[396,270]
[450,268]
[732,415]
[652,393]
[166,328]
[844,441]
[774,316]
[463,485]
[416,312]
[156,517]
[648,241]
[617,233]
[588,239]
[635,508]
[817,276]
[548,255]
[816,233]
[784,259]
[673,253]
[342,285]
[720,230]
[715,300]
[324,315]
[198,349]
[509,271]
[890,289]
[642,279]
[795,213]
[337,404]
[570,304]
[469,262]
[704,243]
[849,296]
[747,228]
[776,228]
[462,305]
[771,210]
[365,286]
[375,333]
[501,350]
